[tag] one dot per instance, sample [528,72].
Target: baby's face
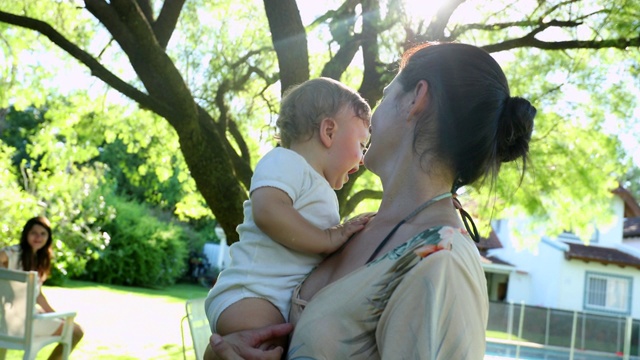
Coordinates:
[346,151]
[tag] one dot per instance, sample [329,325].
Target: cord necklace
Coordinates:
[409,217]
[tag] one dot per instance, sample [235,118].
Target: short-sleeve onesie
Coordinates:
[261,267]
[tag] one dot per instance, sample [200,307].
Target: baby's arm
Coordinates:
[275,215]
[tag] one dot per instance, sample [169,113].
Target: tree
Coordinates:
[565,39]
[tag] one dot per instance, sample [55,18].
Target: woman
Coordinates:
[410,285]
[34,254]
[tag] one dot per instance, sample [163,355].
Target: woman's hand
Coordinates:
[246,344]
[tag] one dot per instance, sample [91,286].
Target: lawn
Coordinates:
[124,322]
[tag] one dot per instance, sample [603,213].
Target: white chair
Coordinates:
[198,326]
[18,315]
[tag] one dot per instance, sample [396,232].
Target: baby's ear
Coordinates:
[328,128]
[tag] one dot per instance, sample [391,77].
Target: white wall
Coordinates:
[610,234]
[572,294]
[519,288]
[537,267]
[633,242]
[548,273]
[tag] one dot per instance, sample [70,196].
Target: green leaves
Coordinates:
[143,251]
[555,53]
[59,163]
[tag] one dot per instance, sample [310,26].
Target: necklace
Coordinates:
[409,217]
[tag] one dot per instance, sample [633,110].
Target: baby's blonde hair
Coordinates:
[305,105]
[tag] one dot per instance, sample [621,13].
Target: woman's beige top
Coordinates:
[413,303]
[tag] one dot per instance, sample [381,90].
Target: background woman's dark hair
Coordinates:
[479,125]
[41,262]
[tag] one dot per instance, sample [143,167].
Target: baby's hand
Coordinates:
[339,234]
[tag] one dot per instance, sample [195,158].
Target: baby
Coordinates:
[291,220]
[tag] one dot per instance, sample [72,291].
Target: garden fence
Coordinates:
[568,329]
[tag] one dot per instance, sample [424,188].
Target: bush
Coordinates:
[142,250]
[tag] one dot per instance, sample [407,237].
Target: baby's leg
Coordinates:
[251,313]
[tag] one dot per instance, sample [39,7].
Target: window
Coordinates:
[608,293]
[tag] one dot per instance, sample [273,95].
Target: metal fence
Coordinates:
[568,329]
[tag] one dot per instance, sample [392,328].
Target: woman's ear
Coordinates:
[328,128]
[420,98]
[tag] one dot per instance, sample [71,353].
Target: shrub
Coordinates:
[142,250]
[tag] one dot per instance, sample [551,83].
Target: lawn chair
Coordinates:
[198,326]
[18,315]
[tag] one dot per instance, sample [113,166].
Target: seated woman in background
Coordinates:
[34,254]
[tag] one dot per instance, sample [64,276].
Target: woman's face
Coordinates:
[37,237]
[387,124]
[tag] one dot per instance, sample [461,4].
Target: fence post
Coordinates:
[520,329]
[619,330]
[573,335]
[547,326]
[627,338]
[583,346]
[510,320]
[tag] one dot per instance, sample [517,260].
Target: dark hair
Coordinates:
[478,124]
[41,262]
[305,105]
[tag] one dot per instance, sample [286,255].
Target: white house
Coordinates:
[564,273]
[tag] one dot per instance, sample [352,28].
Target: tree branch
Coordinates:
[541,26]
[371,88]
[147,9]
[134,19]
[461,29]
[341,25]
[85,58]
[149,60]
[540,23]
[527,41]
[110,19]
[435,30]
[555,7]
[241,166]
[289,41]
[167,20]
[337,65]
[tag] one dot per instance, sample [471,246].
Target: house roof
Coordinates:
[631,227]
[631,207]
[488,259]
[601,255]
[492,242]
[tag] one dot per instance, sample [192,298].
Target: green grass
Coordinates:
[122,322]
[503,336]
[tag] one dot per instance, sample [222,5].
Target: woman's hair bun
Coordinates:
[514,129]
